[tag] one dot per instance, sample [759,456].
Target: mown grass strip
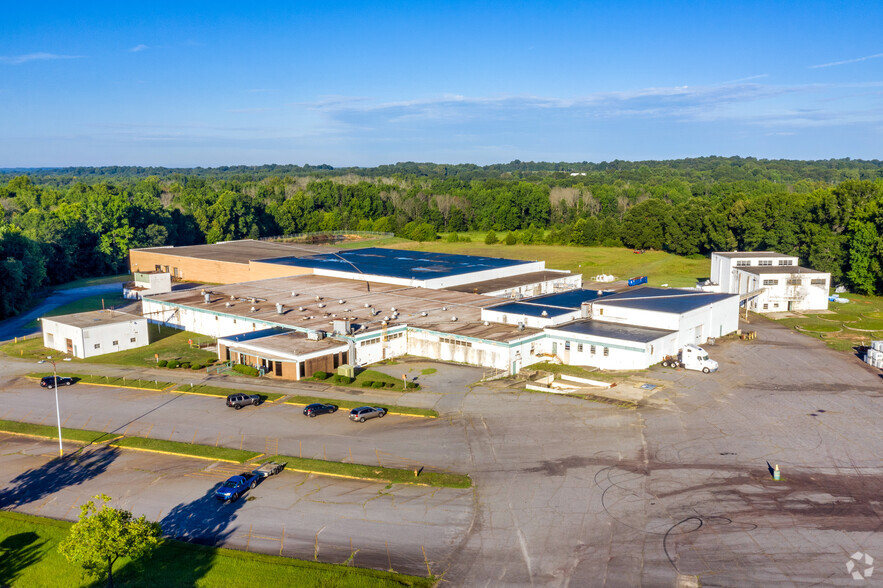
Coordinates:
[349,404]
[373,473]
[186,449]
[224,392]
[34,560]
[51,432]
[119,382]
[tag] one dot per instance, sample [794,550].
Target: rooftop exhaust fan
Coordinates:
[424,313]
[341,301]
[367,305]
[444,307]
[487,324]
[544,314]
[207,296]
[386,318]
[227,304]
[453,319]
[321,305]
[300,308]
[253,309]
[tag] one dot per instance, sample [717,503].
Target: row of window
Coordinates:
[376,340]
[747,262]
[114,344]
[592,350]
[451,341]
[796,282]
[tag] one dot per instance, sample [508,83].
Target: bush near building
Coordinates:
[245,370]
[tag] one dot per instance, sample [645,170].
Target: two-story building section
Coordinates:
[776,282]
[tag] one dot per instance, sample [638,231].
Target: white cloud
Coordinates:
[19,59]
[846,61]
[138,48]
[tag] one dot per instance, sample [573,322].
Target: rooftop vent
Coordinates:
[321,305]
[300,308]
[424,313]
[544,314]
[393,308]
[278,308]
[341,301]
[293,294]
[228,305]
[386,318]
[487,324]
[202,291]
[232,297]
[207,296]
[453,319]
[253,309]
[367,305]
[520,326]
[444,307]
[252,300]
[318,298]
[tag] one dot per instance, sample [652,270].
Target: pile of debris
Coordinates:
[874,355]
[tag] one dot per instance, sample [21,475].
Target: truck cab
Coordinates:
[693,357]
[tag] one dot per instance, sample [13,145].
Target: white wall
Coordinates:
[534,322]
[621,355]
[437,283]
[108,338]
[552,286]
[776,298]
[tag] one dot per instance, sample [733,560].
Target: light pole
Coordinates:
[57,409]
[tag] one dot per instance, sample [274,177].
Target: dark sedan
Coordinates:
[316,409]
[51,381]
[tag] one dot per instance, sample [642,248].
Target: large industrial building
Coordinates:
[362,306]
[770,281]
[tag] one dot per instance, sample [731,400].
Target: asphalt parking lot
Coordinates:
[567,492]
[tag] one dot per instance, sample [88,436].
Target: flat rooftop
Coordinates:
[778,269]
[551,304]
[613,331]
[744,254]
[283,342]
[497,284]
[94,318]
[240,251]
[397,263]
[673,300]
[417,307]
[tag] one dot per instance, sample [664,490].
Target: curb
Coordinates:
[375,480]
[182,454]
[232,391]
[419,416]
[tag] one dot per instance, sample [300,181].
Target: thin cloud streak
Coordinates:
[846,61]
[138,48]
[19,59]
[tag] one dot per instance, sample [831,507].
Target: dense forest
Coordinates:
[61,224]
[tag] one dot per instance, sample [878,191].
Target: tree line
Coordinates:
[56,228]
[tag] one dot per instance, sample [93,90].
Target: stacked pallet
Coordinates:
[874,355]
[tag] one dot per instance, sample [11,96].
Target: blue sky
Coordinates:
[355,83]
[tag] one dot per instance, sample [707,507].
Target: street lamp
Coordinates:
[57,410]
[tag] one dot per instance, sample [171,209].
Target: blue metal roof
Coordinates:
[674,300]
[569,299]
[398,263]
[528,309]
[612,331]
[252,335]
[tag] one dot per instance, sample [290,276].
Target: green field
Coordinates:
[658,266]
[376,473]
[851,324]
[30,557]
[349,404]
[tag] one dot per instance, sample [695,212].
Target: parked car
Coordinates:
[48,381]
[366,412]
[237,401]
[236,485]
[316,409]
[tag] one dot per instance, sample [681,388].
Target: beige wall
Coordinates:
[210,270]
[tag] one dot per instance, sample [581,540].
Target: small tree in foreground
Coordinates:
[103,535]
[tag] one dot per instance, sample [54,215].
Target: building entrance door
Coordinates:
[69,345]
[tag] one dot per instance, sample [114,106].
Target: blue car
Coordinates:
[234,487]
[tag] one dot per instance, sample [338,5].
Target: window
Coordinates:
[98,346]
[51,338]
[592,349]
[766,306]
[451,341]
[373,341]
[116,343]
[775,305]
[579,347]
[600,311]
[132,340]
[771,282]
[794,282]
[567,346]
[765,262]
[743,263]
[216,317]
[786,262]
[158,267]
[532,349]
[606,351]
[818,282]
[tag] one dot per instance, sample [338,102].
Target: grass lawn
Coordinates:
[51,432]
[108,380]
[191,449]
[349,404]
[573,370]
[31,558]
[658,266]
[82,282]
[854,323]
[380,474]
[366,376]
[378,242]
[85,304]
[224,392]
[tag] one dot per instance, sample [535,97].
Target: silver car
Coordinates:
[366,412]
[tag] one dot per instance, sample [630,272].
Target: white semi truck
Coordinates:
[691,357]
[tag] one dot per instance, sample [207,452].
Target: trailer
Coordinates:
[269,469]
[691,357]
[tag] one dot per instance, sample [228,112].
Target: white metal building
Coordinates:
[87,334]
[147,283]
[777,282]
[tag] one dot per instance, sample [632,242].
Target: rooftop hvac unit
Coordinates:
[386,318]
[252,300]
[202,291]
[316,335]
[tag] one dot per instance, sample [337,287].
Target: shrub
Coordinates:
[453,238]
[339,379]
[466,239]
[491,238]
[367,384]
[162,363]
[172,364]
[185,365]
[246,370]
[196,366]
[512,239]
[413,385]
[320,375]
[377,385]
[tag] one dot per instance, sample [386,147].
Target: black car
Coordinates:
[237,401]
[49,381]
[316,409]
[366,412]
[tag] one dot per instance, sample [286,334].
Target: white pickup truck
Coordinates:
[691,357]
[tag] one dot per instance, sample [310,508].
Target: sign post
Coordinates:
[404,381]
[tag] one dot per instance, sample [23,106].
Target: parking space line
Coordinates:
[86,424]
[172,434]
[194,436]
[149,429]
